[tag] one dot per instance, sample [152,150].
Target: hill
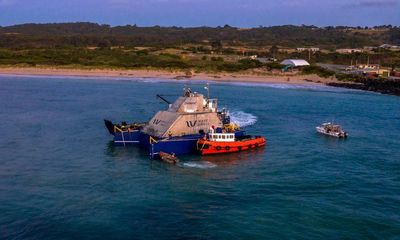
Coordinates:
[83,34]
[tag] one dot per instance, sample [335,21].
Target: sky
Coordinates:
[238,13]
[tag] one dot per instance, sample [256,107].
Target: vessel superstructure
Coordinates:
[177,128]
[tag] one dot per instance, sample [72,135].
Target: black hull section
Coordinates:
[109,126]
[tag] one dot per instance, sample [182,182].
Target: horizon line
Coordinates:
[200,26]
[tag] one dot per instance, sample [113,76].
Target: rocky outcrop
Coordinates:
[384,86]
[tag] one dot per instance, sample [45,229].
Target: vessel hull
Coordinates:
[177,145]
[180,145]
[126,138]
[206,147]
[331,134]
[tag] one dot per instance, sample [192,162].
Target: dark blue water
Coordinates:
[60,178]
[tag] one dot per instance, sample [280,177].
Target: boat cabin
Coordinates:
[332,127]
[221,137]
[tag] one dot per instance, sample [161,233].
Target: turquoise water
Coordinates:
[60,178]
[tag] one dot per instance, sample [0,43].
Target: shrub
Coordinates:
[169,55]
[249,63]
[142,52]
[217,59]
[274,65]
[322,72]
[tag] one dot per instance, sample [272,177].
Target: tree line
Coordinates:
[83,34]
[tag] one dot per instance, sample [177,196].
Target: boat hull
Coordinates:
[177,145]
[206,147]
[126,138]
[180,145]
[124,134]
[331,134]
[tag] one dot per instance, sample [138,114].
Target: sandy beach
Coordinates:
[164,74]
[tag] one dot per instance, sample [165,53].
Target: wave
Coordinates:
[305,86]
[201,165]
[243,119]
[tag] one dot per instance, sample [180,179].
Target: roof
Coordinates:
[295,62]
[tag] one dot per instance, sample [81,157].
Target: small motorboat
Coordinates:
[169,158]
[331,129]
[218,143]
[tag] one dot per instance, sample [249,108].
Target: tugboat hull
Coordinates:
[206,147]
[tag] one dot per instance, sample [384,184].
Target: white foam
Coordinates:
[304,86]
[243,119]
[201,165]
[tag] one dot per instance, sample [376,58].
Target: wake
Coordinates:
[243,119]
[201,165]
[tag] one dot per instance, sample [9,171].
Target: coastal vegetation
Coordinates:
[120,58]
[322,72]
[203,48]
[92,34]
[199,49]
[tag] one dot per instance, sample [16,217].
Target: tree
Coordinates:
[273,51]
[104,43]
[216,45]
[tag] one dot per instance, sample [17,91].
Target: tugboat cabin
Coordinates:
[221,137]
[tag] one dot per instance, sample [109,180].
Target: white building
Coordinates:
[390,47]
[311,49]
[295,62]
[349,50]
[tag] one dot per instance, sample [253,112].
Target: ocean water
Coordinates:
[61,178]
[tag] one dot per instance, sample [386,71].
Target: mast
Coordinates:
[207,87]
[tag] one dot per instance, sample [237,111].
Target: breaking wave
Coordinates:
[243,119]
[305,86]
[201,165]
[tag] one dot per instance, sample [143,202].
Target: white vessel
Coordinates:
[331,129]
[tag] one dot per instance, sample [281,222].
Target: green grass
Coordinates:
[119,58]
[318,71]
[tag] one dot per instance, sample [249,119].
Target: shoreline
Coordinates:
[165,74]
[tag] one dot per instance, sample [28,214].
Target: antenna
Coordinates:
[207,87]
[162,98]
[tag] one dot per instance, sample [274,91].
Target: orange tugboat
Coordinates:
[218,143]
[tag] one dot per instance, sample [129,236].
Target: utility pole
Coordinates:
[379,61]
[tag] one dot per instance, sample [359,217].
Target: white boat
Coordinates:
[331,129]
